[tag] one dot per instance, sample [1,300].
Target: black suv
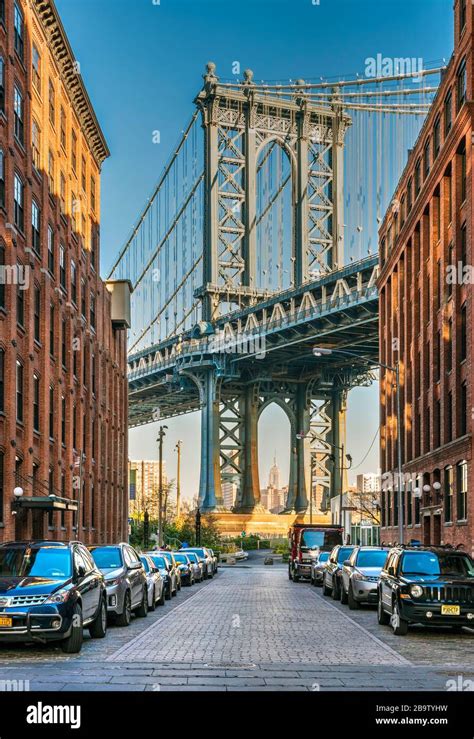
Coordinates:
[432,585]
[49,591]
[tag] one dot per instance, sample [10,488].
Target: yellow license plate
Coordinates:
[6,621]
[450,610]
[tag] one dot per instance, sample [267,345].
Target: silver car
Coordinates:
[156,584]
[196,564]
[125,580]
[360,575]
[318,565]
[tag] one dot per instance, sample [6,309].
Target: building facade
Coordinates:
[144,485]
[63,388]
[368,482]
[426,317]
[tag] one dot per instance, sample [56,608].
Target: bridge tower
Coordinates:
[239,121]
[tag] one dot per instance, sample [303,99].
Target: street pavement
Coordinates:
[250,628]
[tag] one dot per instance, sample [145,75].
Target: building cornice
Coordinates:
[60,48]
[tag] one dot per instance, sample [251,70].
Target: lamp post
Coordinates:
[322,351]
[178,479]
[161,436]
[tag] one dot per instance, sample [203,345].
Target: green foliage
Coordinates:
[178,531]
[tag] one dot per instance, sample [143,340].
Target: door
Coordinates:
[427,530]
[83,580]
[93,581]
[135,575]
[436,530]
[38,517]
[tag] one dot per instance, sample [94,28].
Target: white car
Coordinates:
[240,554]
[155,583]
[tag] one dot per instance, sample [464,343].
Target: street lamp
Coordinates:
[323,351]
[161,436]
[178,479]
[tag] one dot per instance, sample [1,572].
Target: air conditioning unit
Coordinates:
[120,291]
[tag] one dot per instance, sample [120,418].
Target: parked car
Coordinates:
[169,556]
[185,567]
[214,560]
[305,541]
[50,591]
[318,567]
[156,584]
[197,565]
[432,585]
[125,579]
[332,573]
[360,575]
[240,554]
[166,571]
[204,557]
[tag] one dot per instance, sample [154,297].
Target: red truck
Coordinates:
[305,540]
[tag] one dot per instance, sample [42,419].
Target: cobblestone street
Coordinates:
[250,629]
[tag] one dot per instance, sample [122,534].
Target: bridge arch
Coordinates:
[276,169]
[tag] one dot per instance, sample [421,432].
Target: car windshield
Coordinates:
[181,558]
[145,564]
[107,558]
[324,556]
[430,563]
[314,539]
[159,561]
[193,557]
[48,562]
[344,553]
[169,557]
[371,558]
[199,552]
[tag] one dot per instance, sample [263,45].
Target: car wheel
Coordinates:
[354,604]
[98,628]
[344,595]
[290,576]
[178,585]
[175,591]
[399,625]
[73,643]
[125,617]
[168,592]
[142,610]
[161,601]
[382,615]
[153,601]
[336,589]
[326,589]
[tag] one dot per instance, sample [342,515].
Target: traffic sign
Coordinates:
[243,533]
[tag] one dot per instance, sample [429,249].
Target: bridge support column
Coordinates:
[210,492]
[250,497]
[338,439]
[302,460]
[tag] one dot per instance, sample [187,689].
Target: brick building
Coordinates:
[426,315]
[63,389]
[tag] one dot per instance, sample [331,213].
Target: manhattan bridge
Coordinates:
[259,243]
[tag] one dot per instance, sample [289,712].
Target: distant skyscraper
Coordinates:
[368,483]
[274,476]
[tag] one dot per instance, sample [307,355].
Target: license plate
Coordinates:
[6,621]
[450,610]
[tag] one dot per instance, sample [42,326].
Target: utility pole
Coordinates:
[161,435]
[341,491]
[178,479]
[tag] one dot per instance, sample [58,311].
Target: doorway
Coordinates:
[436,530]
[427,531]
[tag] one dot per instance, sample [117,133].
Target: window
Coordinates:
[36,68]
[448,494]
[437,424]
[51,249]
[51,329]
[448,113]
[417,177]
[449,287]
[51,170]
[2,85]
[36,145]
[437,136]
[449,418]
[73,282]
[2,282]
[93,371]
[74,151]
[63,420]
[2,380]
[461,485]
[463,419]
[20,303]
[426,159]
[83,174]
[35,227]
[36,403]
[62,266]
[93,202]
[463,162]
[51,412]
[19,30]
[62,132]
[18,107]
[1,487]
[62,193]
[63,342]
[461,85]
[19,191]
[2,180]
[19,391]
[37,313]
[449,345]
[94,246]
[83,298]
[52,103]
[75,208]
[437,357]
[463,321]
[409,195]
[74,428]
[92,311]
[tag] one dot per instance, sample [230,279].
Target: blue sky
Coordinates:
[142,64]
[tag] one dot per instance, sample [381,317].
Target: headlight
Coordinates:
[416,591]
[60,597]
[113,581]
